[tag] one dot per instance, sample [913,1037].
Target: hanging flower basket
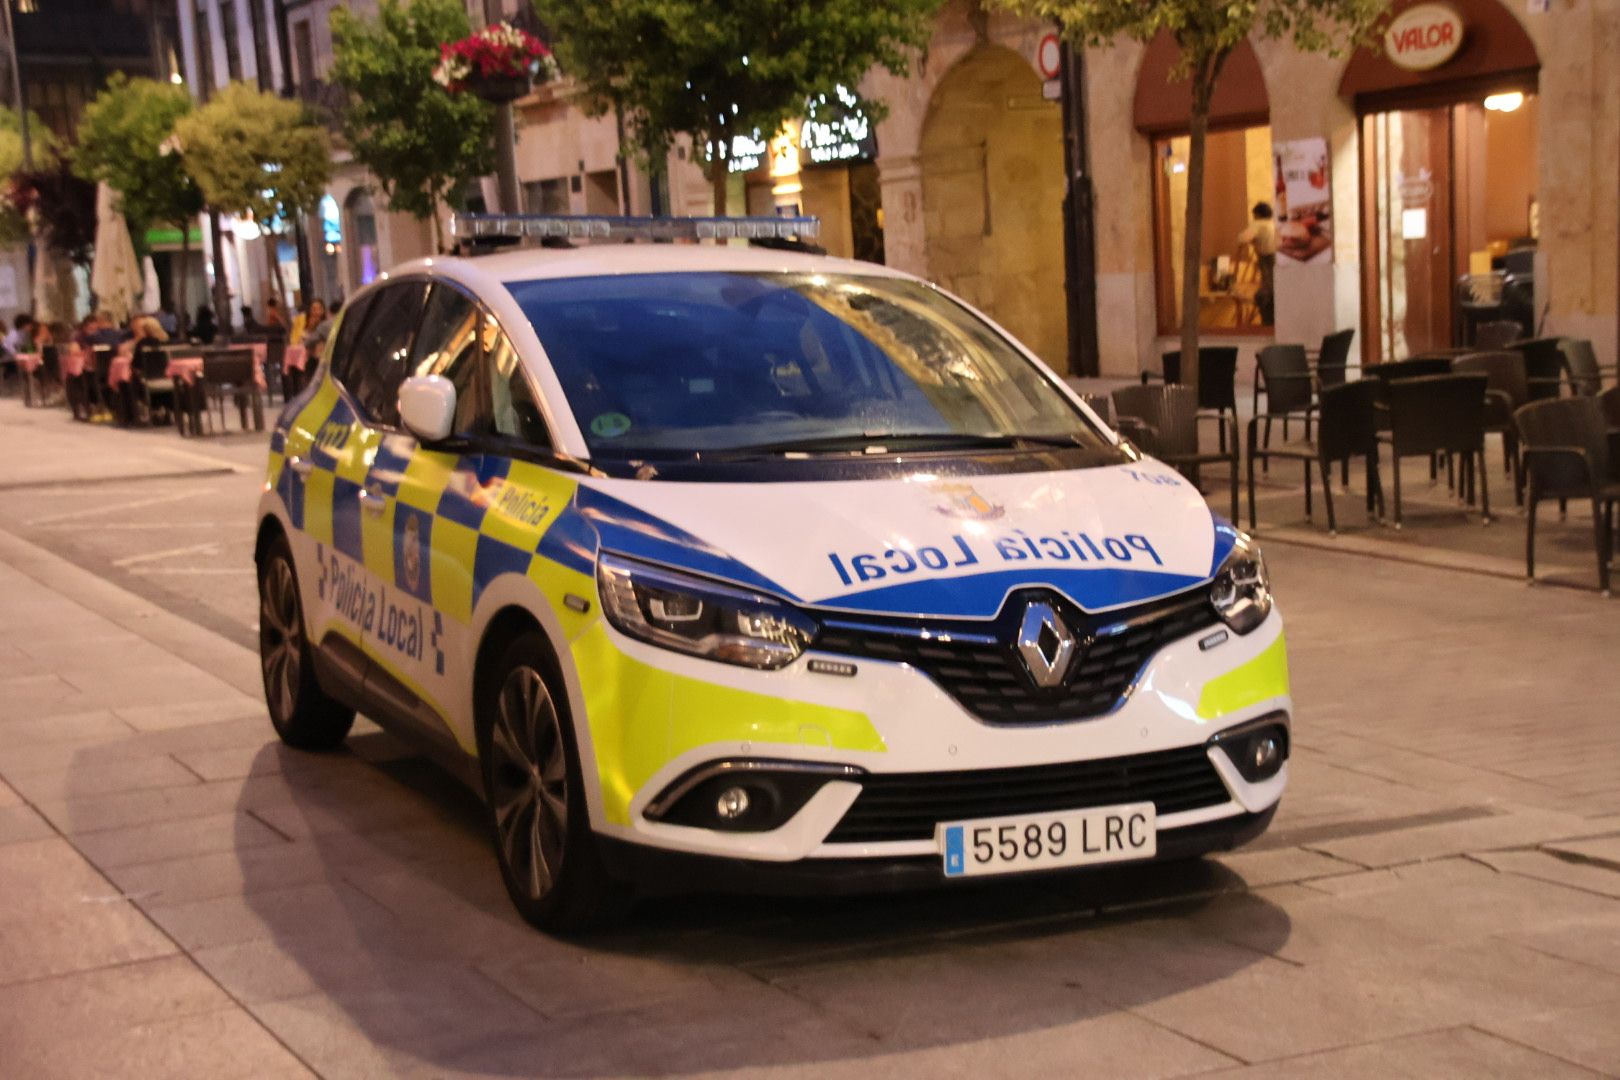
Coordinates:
[499,63]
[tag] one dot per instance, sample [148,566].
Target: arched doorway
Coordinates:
[1450,169]
[360,227]
[992,179]
[1235,287]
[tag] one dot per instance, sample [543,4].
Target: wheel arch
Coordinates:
[270,528]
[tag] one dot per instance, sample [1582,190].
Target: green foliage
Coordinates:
[121,137]
[1207,29]
[715,68]
[13,227]
[420,141]
[254,153]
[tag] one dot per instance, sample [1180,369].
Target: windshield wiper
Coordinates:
[882,442]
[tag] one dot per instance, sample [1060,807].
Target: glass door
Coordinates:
[1407,231]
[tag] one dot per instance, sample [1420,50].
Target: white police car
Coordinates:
[755,569]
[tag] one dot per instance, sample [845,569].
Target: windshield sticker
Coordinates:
[610,425]
[1015,547]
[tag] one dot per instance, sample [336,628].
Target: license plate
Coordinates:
[1007,845]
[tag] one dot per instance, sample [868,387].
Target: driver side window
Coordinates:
[515,410]
[447,345]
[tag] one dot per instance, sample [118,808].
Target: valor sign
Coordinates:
[1422,38]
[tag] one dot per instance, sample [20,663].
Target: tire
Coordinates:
[303,714]
[535,795]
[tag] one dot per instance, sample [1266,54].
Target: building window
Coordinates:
[1239,257]
[303,53]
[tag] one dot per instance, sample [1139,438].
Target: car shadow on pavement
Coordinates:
[377,930]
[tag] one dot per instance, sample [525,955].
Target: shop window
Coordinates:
[1236,274]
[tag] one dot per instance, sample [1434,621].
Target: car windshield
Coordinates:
[659,365]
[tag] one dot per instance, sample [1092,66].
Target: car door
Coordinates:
[315,442]
[360,563]
[415,526]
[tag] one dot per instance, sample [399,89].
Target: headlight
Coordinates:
[699,617]
[1241,591]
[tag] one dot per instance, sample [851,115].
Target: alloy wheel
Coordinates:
[529,781]
[281,638]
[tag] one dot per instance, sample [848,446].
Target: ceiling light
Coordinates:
[1507,102]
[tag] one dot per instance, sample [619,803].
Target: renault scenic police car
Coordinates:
[748,568]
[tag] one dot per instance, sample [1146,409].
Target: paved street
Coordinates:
[1439,895]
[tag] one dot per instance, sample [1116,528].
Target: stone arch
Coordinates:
[991,167]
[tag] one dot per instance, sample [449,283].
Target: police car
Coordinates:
[740,567]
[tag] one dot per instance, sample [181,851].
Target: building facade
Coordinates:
[1407,181]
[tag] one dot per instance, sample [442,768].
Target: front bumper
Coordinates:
[659,871]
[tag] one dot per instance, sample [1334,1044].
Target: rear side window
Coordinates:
[447,345]
[380,359]
[339,349]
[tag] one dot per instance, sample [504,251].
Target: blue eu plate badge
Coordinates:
[953,851]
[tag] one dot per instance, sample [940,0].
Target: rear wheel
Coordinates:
[303,715]
[536,797]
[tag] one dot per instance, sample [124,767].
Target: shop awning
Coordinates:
[1165,108]
[1495,54]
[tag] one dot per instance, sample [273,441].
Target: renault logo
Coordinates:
[1046,644]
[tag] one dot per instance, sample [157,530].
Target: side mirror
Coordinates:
[427,407]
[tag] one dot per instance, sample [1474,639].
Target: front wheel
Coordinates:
[536,797]
[303,715]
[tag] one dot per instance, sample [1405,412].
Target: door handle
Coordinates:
[301,466]
[372,501]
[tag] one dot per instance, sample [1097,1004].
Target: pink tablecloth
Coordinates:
[72,358]
[188,368]
[29,361]
[122,367]
[294,358]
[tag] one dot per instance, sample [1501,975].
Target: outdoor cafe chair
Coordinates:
[1496,334]
[1566,456]
[1100,404]
[1440,414]
[1581,366]
[158,392]
[1333,361]
[1609,402]
[1506,392]
[228,373]
[1163,421]
[1285,373]
[1543,366]
[1217,378]
[1346,427]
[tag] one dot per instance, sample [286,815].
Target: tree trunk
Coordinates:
[1193,240]
[272,250]
[222,285]
[182,316]
[438,230]
[719,178]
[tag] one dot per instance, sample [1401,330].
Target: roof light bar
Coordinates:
[603,227]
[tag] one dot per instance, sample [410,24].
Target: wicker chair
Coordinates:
[1346,427]
[1566,456]
[1163,420]
[1440,414]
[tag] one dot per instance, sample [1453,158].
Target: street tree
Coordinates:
[257,155]
[122,137]
[1206,32]
[716,69]
[420,142]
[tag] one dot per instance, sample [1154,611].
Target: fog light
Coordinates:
[732,804]
[1265,751]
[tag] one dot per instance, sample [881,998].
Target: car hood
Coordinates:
[922,545]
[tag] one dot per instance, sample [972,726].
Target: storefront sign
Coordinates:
[1304,200]
[1422,38]
[834,131]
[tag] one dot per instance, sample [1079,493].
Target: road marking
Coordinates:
[108,508]
[156,556]
[148,571]
[153,525]
[189,455]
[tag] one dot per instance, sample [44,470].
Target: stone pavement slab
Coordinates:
[1437,896]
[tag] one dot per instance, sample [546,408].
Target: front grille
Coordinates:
[907,806]
[978,665]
